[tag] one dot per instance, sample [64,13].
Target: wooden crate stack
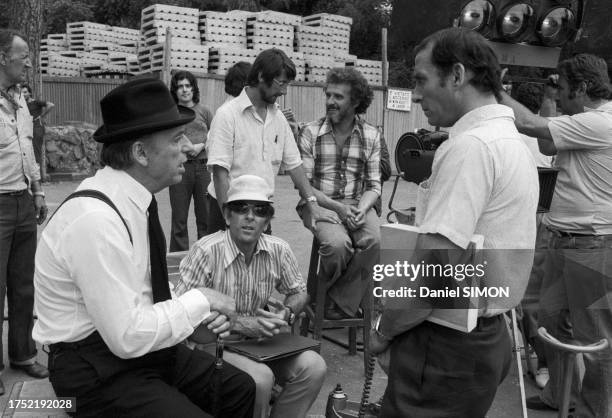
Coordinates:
[266,30]
[339,26]
[83,35]
[314,42]
[317,68]
[371,70]
[220,59]
[183,56]
[183,21]
[223,29]
[63,64]
[54,42]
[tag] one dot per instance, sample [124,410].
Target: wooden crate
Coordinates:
[170,12]
[157,35]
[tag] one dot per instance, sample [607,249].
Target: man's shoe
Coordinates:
[35,369]
[541,377]
[537,404]
[335,314]
[1,388]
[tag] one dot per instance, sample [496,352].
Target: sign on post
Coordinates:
[399,100]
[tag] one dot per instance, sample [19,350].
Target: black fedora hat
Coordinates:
[139,107]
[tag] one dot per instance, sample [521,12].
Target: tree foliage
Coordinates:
[59,12]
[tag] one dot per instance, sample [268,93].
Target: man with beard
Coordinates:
[341,154]
[250,135]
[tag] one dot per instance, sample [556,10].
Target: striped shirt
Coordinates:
[341,173]
[216,262]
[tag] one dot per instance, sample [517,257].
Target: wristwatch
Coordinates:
[289,316]
[312,199]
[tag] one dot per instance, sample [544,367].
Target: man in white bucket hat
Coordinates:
[248,265]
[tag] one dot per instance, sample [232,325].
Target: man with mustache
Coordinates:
[250,135]
[341,154]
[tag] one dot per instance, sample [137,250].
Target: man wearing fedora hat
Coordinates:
[102,295]
[248,265]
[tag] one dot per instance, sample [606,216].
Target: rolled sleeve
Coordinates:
[196,305]
[221,139]
[291,281]
[372,168]
[581,131]
[291,153]
[305,144]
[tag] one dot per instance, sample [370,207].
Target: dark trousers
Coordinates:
[174,382]
[437,372]
[17,250]
[194,184]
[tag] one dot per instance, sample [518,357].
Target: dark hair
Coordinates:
[529,95]
[118,155]
[459,45]
[6,39]
[587,68]
[270,63]
[27,86]
[184,75]
[361,93]
[235,78]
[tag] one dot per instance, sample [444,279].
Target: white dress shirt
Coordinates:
[242,142]
[90,277]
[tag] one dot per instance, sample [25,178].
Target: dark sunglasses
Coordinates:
[263,210]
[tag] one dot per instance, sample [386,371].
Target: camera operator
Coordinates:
[575,299]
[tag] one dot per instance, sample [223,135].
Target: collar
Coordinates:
[327,128]
[481,114]
[244,102]
[12,95]
[232,251]
[135,191]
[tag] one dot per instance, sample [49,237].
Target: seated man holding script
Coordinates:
[247,265]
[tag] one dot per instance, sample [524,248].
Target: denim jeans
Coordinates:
[576,307]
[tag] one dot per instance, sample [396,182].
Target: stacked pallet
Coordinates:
[63,64]
[183,22]
[220,59]
[182,57]
[371,70]
[266,30]
[316,69]
[339,26]
[54,42]
[223,29]
[314,42]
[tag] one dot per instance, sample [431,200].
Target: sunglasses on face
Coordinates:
[262,210]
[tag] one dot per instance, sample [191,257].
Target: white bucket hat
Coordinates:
[248,187]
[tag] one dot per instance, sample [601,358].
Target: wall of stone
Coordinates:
[70,148]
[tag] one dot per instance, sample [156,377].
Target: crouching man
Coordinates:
[248,265]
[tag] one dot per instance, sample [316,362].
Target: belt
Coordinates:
[565,234]
[15,193]
[93,339]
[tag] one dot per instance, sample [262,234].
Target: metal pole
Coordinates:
[167,55]
[43,151]
[385,77]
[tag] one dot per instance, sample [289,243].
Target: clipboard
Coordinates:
[274,348]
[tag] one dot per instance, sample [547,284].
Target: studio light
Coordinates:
[478,15]
[516,22]
[557,26]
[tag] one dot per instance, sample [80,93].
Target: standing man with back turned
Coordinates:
[576,293]
[102,295]
[483,181]
[22,205]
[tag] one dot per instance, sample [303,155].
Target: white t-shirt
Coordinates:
[582,202]
[540,159]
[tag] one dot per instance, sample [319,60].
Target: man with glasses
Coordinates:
[250,135]
[248,265]
[22,206]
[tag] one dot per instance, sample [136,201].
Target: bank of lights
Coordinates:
[545,22]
